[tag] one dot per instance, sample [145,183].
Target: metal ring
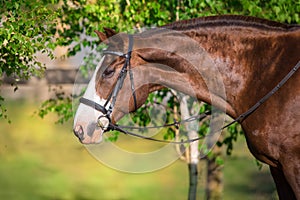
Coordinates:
[101,124]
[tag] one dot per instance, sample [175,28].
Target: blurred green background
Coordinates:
[41,160]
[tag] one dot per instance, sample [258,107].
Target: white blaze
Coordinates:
[85,115]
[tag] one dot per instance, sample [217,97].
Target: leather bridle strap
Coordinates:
[93,104]
[120,81]
[239,119]
[122,75]
[176,124]
[266,97]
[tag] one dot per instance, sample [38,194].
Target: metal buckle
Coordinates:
[103,122]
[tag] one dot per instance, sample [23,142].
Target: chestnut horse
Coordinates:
[249,55]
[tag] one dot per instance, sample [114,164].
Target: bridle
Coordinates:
[120,81]
[113,95]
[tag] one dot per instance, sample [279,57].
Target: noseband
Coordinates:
[120,81]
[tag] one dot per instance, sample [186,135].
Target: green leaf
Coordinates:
[219,160]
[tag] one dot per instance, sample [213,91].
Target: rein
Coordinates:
[122,75]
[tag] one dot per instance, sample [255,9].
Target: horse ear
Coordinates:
[109,32]
[104,36]
[116,41]
[101,36]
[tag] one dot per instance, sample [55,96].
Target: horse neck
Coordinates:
[248,59]
[240,59]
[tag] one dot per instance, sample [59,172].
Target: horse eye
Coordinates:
[108,73]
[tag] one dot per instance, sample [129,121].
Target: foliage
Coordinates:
[232,134]
[61,104]
[26,28]
[3,110]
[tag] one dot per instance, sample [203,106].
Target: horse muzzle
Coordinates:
[92,133]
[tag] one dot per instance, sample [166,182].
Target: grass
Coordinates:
[40,160]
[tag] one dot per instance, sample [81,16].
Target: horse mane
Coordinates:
[230,20]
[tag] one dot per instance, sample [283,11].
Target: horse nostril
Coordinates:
[78,132]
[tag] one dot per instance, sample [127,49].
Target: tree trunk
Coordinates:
[193,175]
[214,181]
[192,154]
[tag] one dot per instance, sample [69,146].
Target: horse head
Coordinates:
[134,66]
[112,89]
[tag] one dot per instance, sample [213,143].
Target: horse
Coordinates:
[248,55]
